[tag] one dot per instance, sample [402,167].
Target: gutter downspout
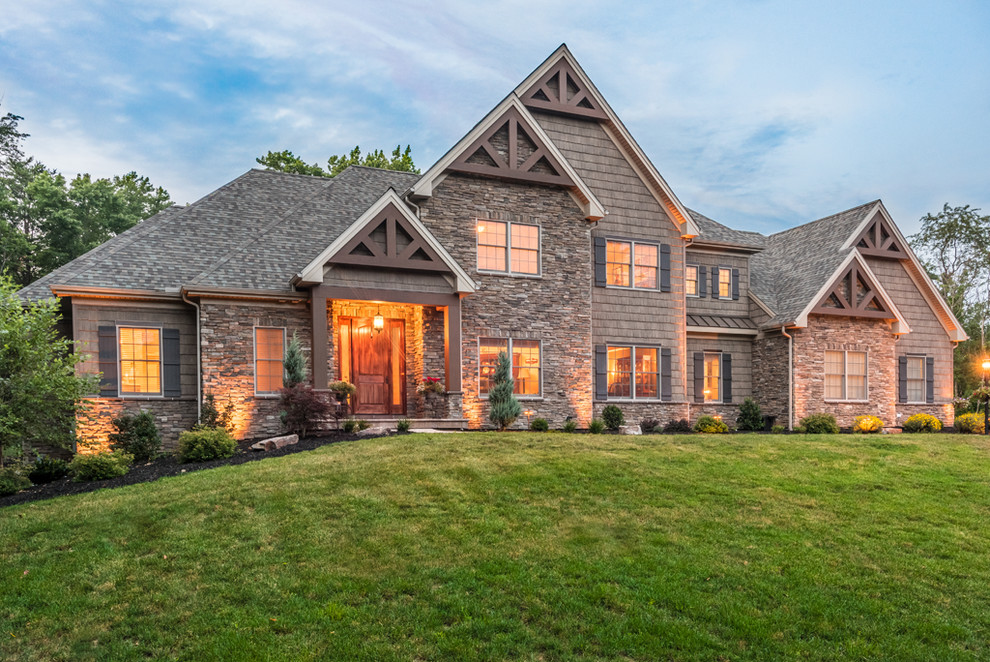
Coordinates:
[199,360]
[790,377]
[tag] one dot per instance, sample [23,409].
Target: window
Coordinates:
[916,379]
[633,372]
[724,283]
[269,348]
[526,364]
[845,375]
[140,360]
[508,247]
[713,377]
[691,280]
[631,264]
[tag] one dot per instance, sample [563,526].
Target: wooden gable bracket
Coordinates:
[854,294]
[879,240]
[560,90]
[511,149]
[389,241]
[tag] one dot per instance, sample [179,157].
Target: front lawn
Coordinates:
[520,546]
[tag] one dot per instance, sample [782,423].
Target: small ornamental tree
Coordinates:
[505,409]
[750,416]
[294,363]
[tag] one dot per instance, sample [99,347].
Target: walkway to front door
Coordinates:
[378,364]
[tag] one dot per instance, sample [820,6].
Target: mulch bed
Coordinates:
[169,465]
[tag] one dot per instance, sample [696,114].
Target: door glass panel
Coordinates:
[345,351]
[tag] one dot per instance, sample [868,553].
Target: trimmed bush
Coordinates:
[778,429]
[101,466]
[710,425]
[12,482]
[363,424]
[350,426]
[48,469]
[922,423]
[750,416]
[677,427]
[539,425]
[612,417]
[649,425]
[867,424]
[970,423]
[402,425]
[570,426]
[596,426]
[818,424]
[136,434]
[206,444]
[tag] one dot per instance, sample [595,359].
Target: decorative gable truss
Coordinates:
[512,149]
[879,240]
[855,294]
[561,90]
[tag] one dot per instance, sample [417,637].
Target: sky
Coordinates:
[760,114]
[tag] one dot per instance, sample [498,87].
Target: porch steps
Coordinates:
[418,423]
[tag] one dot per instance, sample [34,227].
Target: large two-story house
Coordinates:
[545,232]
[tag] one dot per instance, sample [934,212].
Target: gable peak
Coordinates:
[563,90]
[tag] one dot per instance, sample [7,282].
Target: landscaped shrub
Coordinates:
[350,426]
[11,481]
[710,425]
[210,416]
[649,425]
[867,425]
[539,425]
[48,469]
[750,416]
[100,466]
[207,444]
[818,424]
[570,426]
[294,362]
[303,408]
[363,424]
[402,425]
[612,417]
[970,423]
[677,427]
[596,426]
[136,434]
[922,423]
[505,408]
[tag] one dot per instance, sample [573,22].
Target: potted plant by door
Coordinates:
[342,392]
[434,395]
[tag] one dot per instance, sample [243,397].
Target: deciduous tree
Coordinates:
[286,161]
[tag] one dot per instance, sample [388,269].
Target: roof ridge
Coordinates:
[825,218]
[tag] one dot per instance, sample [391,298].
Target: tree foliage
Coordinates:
[505,408]
[294,363]
[47,220]
[286,161]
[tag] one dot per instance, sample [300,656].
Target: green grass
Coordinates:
[520,547]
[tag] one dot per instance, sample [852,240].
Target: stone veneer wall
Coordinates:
[554,308]
[172,417]
[770,379]
[635,412]
[228,358]
[943,412]
[826,332]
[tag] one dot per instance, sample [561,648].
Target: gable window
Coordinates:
[632,264]
[691,280]
[512,248]
[724,283]
[269,348]
[526,364]
[916,379]
[845,375]
[633,372]
[713,377]
[140,360]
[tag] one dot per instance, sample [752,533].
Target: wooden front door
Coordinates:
[378,364]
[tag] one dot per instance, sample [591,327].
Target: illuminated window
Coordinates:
[269,348]
[526,364]
[633,372]
[691,280]
[845,375]
[916,379]
[713,377]
[508,247]
[631,264]
[725,283]
[140,360]
[617,256]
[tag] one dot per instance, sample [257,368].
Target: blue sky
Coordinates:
[762,115]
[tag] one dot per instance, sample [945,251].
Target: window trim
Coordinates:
[845,375]
[508,249]
[632,264]
[160,393]
[718,283]
[924,380]
[509,340]
[632,373]
[254,364]
[721,378]
[697,278]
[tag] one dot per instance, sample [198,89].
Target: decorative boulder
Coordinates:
[630,429]
[275,443]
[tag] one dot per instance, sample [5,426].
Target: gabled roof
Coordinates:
[714,233]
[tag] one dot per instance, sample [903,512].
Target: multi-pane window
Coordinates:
[140,360]
[526,364]
[691,280]
[713,377]
[845,375]
[269,349]
[508,247]
[724,283]
[632,264]
[633,372]
[916,379]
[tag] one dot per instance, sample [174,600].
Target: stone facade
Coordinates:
[770,383]
[635,412]
[172,417]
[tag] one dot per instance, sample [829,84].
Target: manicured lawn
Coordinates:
[520,547]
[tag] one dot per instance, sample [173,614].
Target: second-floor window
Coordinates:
[512,248]
[632,264]
[691,280]
[724,283]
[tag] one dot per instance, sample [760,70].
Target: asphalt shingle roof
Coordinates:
[716,232]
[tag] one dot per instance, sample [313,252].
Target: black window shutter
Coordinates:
[702,282]
[699,376]
[902,379]
[666,394]
[108,361]
[664,267]
[600,279]
[714,282]
[170,363]
[929,379]
[601,372]
[735,284]
[727,377]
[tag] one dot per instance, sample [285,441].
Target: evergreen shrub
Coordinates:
[539,425]
[100,466]
[206,444]
[504,407]
[818,424]
[596,426]
[12,482]
[613,418]
[48,469]
[750,416]
[136,434]
[710,425]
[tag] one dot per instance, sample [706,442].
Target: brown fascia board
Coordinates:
[84,292]
[723,245]
[289,296]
